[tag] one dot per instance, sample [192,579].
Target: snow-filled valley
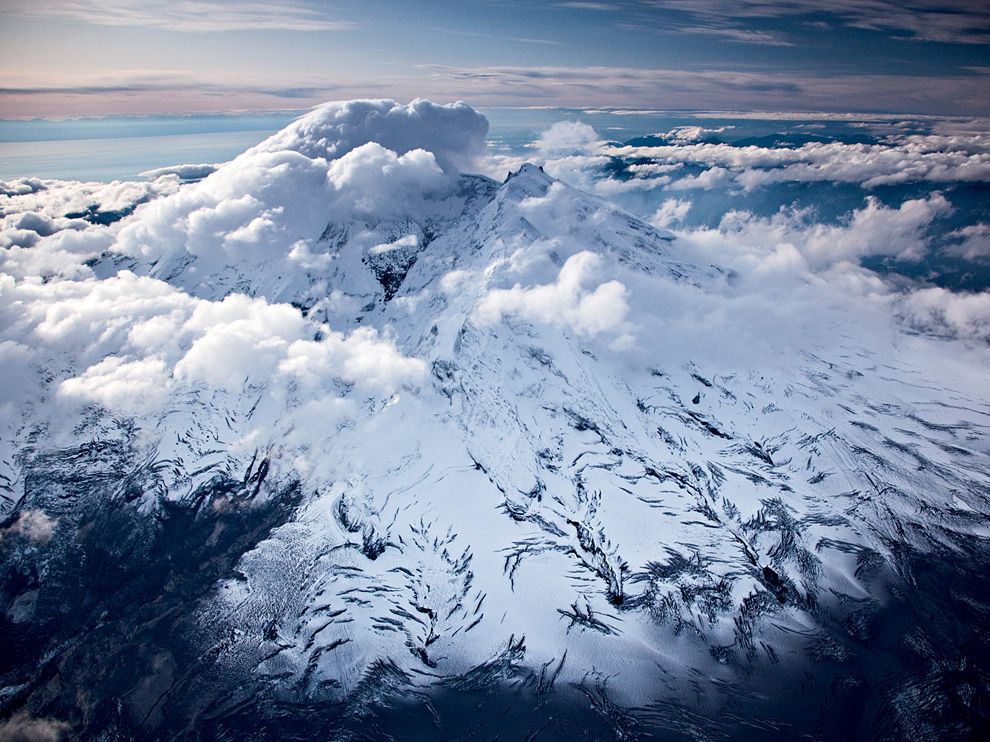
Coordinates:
[348,436]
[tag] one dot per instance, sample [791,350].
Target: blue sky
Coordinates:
[85,57]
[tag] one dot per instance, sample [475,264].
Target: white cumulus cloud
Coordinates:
[568,302]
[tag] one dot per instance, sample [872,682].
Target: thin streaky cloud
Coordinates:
[646,48]
[496,37]
[575,87]
[740,35]
[577,5]
[947,21]
[715,29]
[197,16]
[720,88]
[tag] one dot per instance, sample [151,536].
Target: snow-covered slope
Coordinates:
[340,428]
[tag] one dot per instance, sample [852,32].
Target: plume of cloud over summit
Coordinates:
[454,134]
[136,339]
[366,158]
[132,340]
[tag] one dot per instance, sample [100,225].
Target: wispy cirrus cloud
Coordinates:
[949,21]
[176,91]
[496,37]
[740,35]
[633,18]
[567,86]
[581,5]
[188,15]
[714,89]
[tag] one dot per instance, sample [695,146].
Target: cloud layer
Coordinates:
[956,21]
[129,296]
[568,302]
[197,16]
[135,341]
[369,175]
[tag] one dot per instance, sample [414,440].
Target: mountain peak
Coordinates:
[528,181]
[531,171]
[454,133]
[347,417]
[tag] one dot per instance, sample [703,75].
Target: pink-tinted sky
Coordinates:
[93,57]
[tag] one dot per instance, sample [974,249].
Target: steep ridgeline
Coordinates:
[505,465]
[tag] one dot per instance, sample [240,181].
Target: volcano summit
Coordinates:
[345,440]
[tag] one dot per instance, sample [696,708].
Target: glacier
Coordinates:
[343,439]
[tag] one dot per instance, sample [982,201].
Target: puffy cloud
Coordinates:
[612,187]
[548,210]
[567,302]
[971,242]
[901,160]
[565,215]
[237,339]
[55,228]
[454,133]
[255,373]
[573,152]
[303,255]
[789,272]
[87,318]
[654,168]
[21,186]
[66,254]
[134,339]
[347,166]
[681,134]
[126,386]
[939,311]
[793,247]
[452,281]
[584,171]
[31,221]
[715,177]
[566,138]
[376,182]
[671,213]
[876,230]
[54,199]
[253,207]
[362,358]
[792,240]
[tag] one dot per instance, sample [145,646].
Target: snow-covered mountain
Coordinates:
[343,440]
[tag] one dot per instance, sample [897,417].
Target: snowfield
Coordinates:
[343,434]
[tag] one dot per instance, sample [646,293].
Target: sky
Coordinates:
[94,57]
